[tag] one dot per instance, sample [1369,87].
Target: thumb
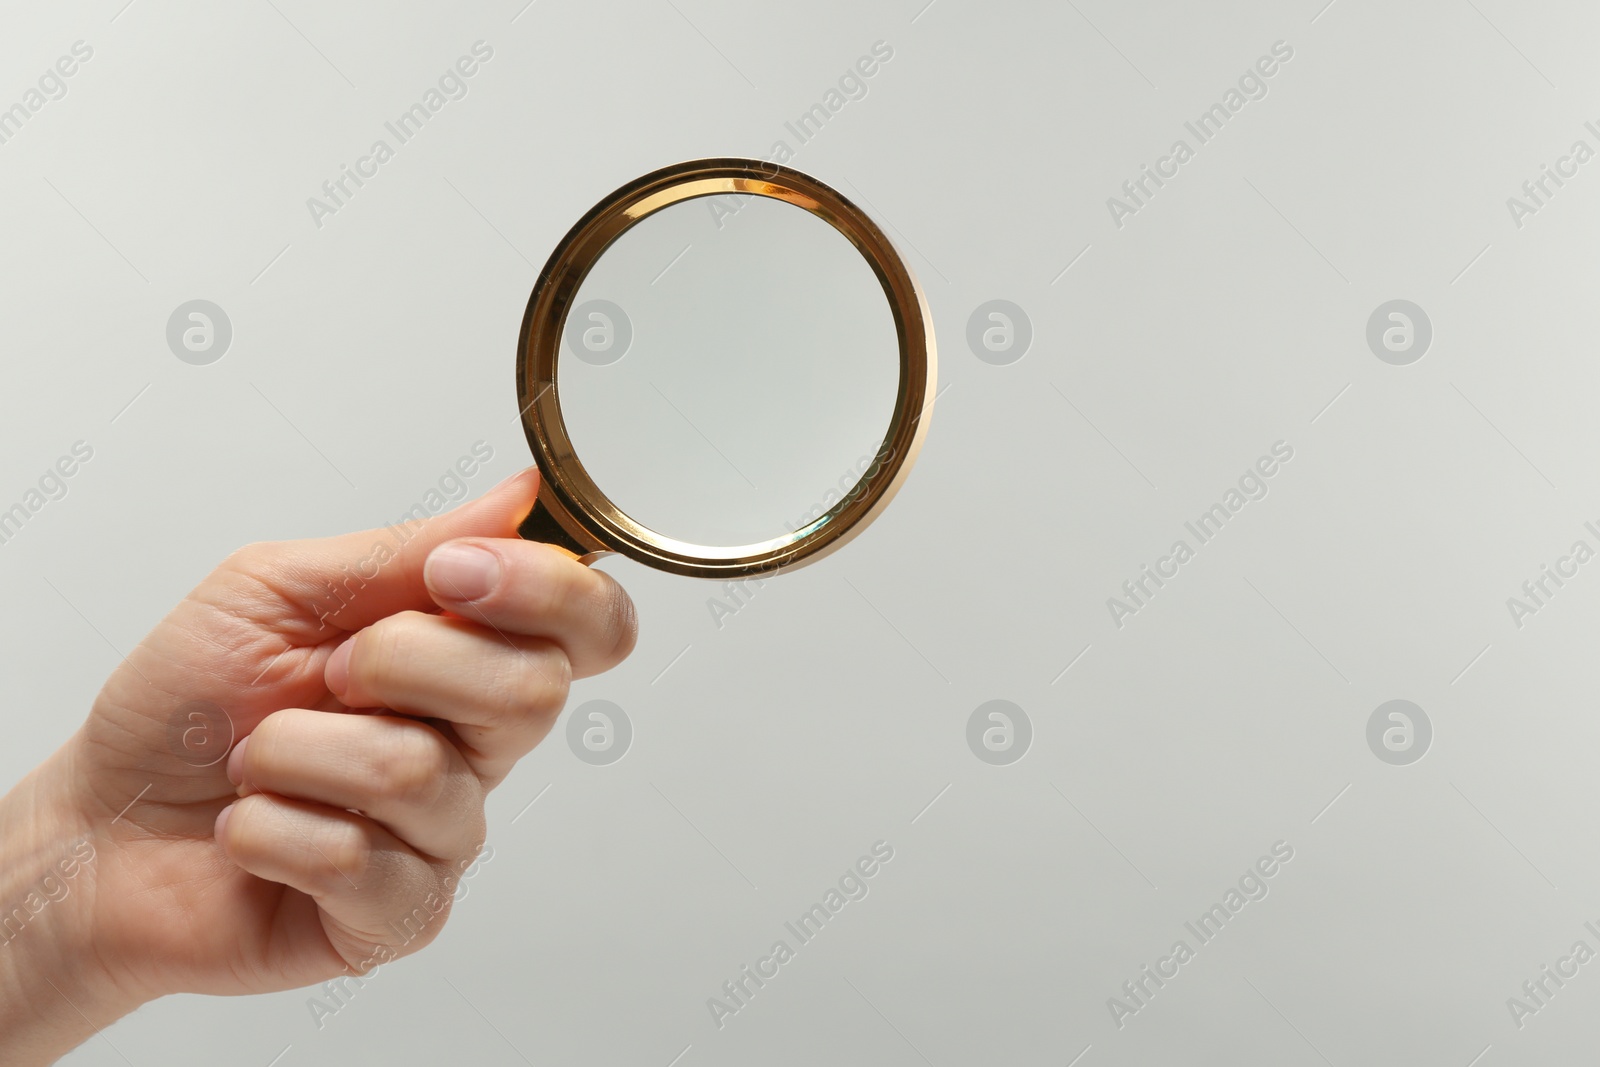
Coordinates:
[353,580]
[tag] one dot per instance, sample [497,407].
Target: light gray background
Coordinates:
[831,711]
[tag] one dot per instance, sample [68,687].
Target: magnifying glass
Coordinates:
[740,355]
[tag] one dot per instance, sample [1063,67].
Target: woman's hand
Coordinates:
[377,686]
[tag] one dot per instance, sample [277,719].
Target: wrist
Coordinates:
[54,991]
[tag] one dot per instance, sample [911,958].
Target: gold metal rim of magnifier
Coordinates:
[574,513]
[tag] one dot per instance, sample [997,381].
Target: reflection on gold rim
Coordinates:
[574,513]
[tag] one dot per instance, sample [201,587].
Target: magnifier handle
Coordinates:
[542,526]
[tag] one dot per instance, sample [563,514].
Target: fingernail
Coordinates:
[462,572]
[222,822]
[336,675]
[236,762]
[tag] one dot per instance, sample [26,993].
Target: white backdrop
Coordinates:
[1176,337]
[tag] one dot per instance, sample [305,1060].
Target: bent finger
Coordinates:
[377,895]
[500,692]
[401,773]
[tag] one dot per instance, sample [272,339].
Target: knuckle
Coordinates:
[532,684]
[338,857]
[412,768]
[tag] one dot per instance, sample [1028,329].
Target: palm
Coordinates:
[163,893]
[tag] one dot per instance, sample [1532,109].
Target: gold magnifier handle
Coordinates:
[542,525]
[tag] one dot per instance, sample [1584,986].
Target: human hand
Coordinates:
[379,690]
